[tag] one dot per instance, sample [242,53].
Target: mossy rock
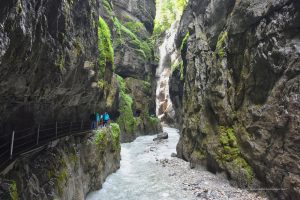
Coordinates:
[229,156]
[13,191]
[115,129]
[126,120]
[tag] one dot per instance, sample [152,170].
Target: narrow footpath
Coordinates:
[149,172]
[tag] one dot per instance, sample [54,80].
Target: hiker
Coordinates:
[105,118]
[93,120]
[97,119]
[101,121]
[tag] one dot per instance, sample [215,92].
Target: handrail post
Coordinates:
[81,125]
[38,135]
[55,129]
[12,144]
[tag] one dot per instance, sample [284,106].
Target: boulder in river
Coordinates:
[161,136]
[174,155]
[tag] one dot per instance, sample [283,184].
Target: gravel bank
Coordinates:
[199,183]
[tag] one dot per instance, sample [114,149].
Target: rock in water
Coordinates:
[161,136]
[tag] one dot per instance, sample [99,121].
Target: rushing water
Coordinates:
[140,176]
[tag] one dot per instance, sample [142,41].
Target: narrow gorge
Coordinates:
[224,74]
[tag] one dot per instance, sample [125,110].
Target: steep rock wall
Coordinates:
[241,90]
[66,169]
[49,61]
[132,22]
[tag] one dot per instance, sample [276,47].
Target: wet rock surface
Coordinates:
[48,61]
[66,169]
[241,85]
[161,136]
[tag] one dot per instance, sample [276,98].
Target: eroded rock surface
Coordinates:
[241,91]
[67,169]
[49,61]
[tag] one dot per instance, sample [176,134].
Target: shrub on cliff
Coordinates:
[106,51]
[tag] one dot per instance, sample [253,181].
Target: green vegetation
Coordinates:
[115,128]
[128,34]
[101,139]
[102,84]
[126,119]
[153,120]
[134,27]
[197,155]
[106,51]
[178,65]
[146,86]
[60,63]
[78,47]
[108,7]
[229,153]
[221,44]
[60,177]
[13,191]
[61,180]
[184,40]
[167,11]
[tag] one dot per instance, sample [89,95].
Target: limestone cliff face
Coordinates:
[49,61]
[132,23]
[66,169]
[241,90]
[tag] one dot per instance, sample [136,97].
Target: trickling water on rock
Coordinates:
[168,54]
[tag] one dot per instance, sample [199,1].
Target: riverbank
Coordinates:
[201,184]
[149,172]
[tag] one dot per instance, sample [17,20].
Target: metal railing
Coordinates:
[22,141]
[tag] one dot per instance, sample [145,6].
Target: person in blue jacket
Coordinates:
[106,118]
[97,119]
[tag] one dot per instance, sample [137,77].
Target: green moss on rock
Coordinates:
[125,34]
[153,120]
[101,138]
[105,47]
[115,128]
[13,191]
[183,43]
[126,120]
[229,155]
[61,180]
[221,44]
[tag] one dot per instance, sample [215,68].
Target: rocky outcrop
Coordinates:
[49,61]
[138,10]
[135,101]
[132,22]
[67,169]
[241,91]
